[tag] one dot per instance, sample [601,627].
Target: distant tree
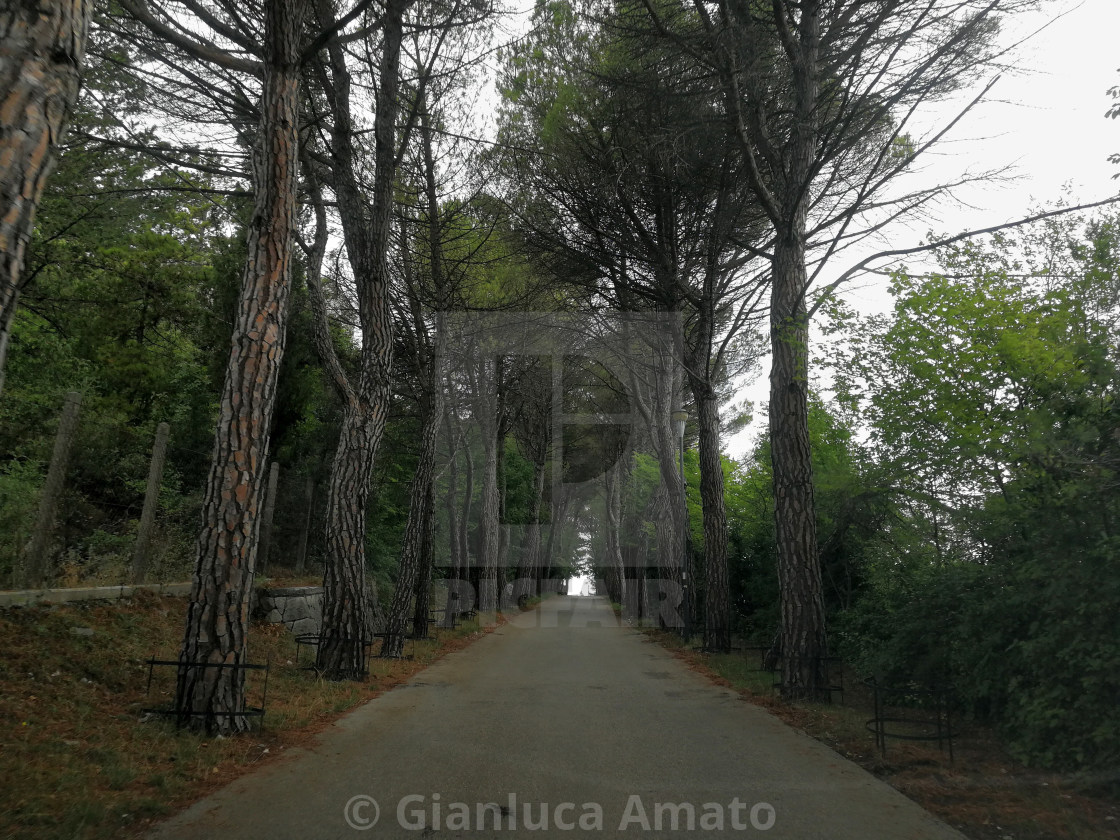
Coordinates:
[960,382]
[821,97]
[532,430]
[624,182]
[432,269]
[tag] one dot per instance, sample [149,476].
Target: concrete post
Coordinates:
[265,543]
[140,554]
[35,557]
[305,526]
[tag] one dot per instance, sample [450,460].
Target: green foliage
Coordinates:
[850,509]
[992,397]
[131,282]
[114,307]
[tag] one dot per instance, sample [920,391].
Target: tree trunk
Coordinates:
[419,526]
[210,691]
[672,523]
[558,510]
[347,620]
[488,544]
[501,482]
[455,568]
[424,577]
[470,572]
[802,629]
[451,503]
[42,48]
[530,568]
[427,351]
[668,546]
[717,594]
[616,573]
[6,318]
[347,611]
[802,618]
[346,626]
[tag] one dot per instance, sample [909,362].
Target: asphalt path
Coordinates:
[560,723]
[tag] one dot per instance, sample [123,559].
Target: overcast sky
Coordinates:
[1046,119]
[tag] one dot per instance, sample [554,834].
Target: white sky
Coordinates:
[1046,119]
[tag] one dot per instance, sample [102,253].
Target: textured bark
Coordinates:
[366,223]
[780,171]
[6,318]
[717,594]
[616,574]
[418,529]
[42,48]
[700,369]
[802,623]
[347,609]
[424,577]
[211,687]
[488,538]
[415,567]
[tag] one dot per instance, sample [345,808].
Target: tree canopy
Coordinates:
[485,356]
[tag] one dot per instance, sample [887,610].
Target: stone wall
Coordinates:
[31,597]
[299,608]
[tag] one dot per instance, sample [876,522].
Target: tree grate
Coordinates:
[183,716]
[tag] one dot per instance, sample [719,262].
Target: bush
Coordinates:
[1030,647]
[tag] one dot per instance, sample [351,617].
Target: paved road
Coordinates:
[559,708]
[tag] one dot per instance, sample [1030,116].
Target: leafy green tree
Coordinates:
[119,302]
[637,196]
[957,382]
[820,98]
[851,513]
[992,396]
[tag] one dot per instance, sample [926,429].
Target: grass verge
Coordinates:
[983,793]
[76,759]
